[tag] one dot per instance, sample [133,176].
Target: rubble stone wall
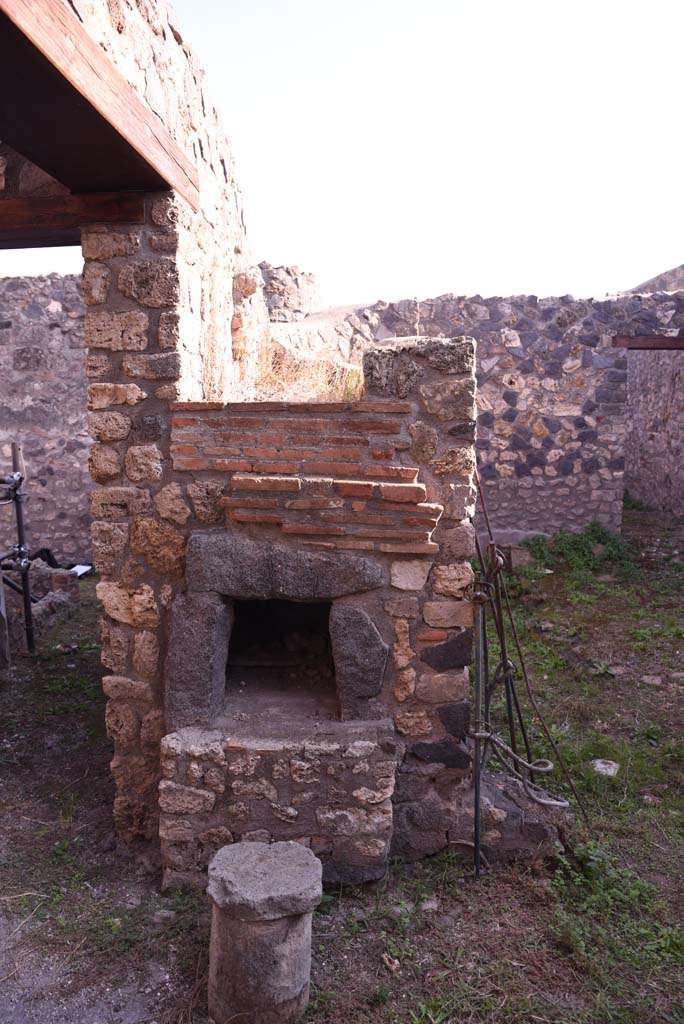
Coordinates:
[654,472]
[43,408]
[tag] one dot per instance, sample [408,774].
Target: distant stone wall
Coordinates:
[290,293]
[654,472]
[552,392]
[43,407]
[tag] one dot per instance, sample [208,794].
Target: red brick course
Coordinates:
[327,454]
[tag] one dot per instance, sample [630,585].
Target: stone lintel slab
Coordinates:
[242,568]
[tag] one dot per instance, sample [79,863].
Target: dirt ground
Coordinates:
[86,936]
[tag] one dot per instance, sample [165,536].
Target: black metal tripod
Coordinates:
[17,557]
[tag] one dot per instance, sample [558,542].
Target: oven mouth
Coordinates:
[280,653]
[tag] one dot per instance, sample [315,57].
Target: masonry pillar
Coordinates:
[132,295]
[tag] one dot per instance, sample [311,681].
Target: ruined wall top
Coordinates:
[291,293]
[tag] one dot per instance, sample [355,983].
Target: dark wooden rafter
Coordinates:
[648,342]
[64,105]
[57,220]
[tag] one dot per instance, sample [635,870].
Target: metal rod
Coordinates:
[23,554]
[479,597]
[16,588]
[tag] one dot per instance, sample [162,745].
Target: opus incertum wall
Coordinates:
[43,408]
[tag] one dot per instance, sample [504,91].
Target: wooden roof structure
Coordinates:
[65,107]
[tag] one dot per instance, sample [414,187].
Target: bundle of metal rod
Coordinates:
[490,596]
[17,558]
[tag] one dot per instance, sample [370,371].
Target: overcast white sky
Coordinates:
[401,148]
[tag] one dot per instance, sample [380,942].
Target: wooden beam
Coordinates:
[649,342]
[54,31]
[57,220]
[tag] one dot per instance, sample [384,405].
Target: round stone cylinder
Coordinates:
[260,950]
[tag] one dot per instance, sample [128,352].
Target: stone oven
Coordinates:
[316,679]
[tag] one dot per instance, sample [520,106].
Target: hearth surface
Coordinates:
[257,693]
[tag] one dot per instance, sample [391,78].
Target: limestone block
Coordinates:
[205,496]
[404,684]
[143,462]
[98,243]
[115,646]
[123,724]
[101,396]
[134,607]
[109,545]
[411,574]
[448,613]
[118,332]
[153,283]
[452,580]
[104,463]
[146,654]
[108,426]
[175,799]
[161,544]
[119,502]
[98,364]
[402,652]
[95,283]
[440,687]
[413,723]
[458,542]
[170,504]
[124,689]
[152,728]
